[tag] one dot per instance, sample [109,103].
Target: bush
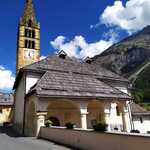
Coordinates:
[135,131]
[69,125]
[48,123]
[101,127]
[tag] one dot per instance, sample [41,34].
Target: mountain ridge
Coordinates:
[127,58]
[126,55]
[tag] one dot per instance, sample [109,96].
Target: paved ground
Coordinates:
[11,141]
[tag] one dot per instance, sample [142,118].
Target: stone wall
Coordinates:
[89,140]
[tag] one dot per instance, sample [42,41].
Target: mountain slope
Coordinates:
[125,56]
[142,86]
[131,58]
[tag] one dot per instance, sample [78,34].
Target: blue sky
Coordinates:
[77,26]
[57,17]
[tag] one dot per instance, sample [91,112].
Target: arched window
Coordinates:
[33,45]
[30,23]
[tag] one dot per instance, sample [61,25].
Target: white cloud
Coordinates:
[42,57]
[6,79]
[79,47]
[132,16]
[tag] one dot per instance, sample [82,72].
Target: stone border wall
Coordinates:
[90,140]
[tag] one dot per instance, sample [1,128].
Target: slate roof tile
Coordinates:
[137,110]
[55,83]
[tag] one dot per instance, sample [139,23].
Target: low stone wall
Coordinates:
[90,140]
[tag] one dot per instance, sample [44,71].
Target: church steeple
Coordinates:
[29,15]
[28,40]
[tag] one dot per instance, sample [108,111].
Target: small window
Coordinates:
[141,119]
[118,111]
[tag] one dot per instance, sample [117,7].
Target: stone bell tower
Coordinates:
[28,38]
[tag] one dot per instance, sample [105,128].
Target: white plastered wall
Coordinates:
[143,126]
[25,83]
[116,121]
[19,105]
[31,80]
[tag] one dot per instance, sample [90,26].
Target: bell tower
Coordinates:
[28,38]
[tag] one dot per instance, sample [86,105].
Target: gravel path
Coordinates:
[11,141]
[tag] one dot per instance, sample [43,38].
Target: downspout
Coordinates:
[130,115]
[24,113]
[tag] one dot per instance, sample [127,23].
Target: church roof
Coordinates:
[73,84]
[54,62]
[65,76]
[137,110]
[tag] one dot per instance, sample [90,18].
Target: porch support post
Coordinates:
[83,113]
[123,111]
[106,110]
[40,121]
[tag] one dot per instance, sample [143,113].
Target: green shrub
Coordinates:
[101,127]
[48,123]
[69,125]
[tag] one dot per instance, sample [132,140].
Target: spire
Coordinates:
[29,15]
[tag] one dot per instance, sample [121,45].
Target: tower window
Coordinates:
[29,44]
[33,44]
[26,32]
[30,23]
[30,33]
[26,43]
[33,34]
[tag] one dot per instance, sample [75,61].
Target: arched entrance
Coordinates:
[61,112]
[95,113]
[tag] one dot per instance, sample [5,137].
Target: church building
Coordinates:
[64,89]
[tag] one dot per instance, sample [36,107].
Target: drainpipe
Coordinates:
[130,115]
